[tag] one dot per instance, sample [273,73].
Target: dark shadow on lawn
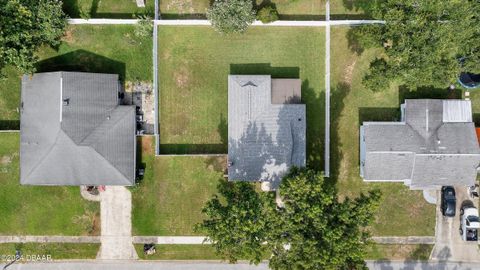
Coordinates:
[184,149]
[70,7]
[264,69]
[140,163]
[376,114]
[427,92]
[350,17]
[82,61]
[305,17]
[364,5]
[315,109]
[186,16]
[337,104]
[9,124]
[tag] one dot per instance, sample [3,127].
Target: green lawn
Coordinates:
[399,252]
[126,9]
[107,49]
[9,97]
[55,251]
[179,252]
[402,211]
[194,63]
[349,9]
[35,210]
[168,201]
[288,9]
[103,49]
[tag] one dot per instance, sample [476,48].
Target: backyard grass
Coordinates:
[402,211]
[55,251]
[169,199]
[288,9]
[348,9]
[126,9]
[399,252]
[36,210]
[194,63]
[102,49]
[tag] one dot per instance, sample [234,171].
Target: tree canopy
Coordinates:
[25,25]
[231,16]
[312,230]
[425,42]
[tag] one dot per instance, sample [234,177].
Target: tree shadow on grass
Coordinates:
[427,92]
[337,105]
[82,61]
[315,110]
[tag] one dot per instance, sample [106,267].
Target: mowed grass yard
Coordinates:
[126,9]
[402,212]
[35,210]
[194,64]
[288,9]
[169,199]
[100,49]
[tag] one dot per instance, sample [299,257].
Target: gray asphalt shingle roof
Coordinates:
[264,139]
[74,132]
[435,145]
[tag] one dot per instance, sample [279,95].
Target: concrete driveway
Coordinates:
[449,245]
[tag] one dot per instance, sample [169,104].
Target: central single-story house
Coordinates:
[266,128]
[435,144]
[73,131]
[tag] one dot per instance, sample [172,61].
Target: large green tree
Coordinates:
[236,221]
[312,230]
[231,16]
[26,25]
[425,42]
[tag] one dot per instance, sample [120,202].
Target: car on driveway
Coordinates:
[449,202]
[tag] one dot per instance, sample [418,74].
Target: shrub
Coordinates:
[268,14]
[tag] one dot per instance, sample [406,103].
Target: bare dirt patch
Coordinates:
[182,77]
[5,160]
[181,6]
[147,144]
[68,37]
[348,72]
[217,163]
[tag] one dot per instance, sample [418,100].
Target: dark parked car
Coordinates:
[448,201]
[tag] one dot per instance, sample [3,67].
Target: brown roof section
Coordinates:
[286,91]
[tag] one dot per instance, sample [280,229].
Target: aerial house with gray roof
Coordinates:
[73,131]
[266,128]
[434,145]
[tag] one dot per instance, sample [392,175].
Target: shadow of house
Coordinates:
[265,69]
[82,61]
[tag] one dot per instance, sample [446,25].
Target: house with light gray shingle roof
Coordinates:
[73,131]
[266,128]
[434,145]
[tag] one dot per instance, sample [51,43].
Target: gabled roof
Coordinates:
[264,139]
[435,145]
[74,132]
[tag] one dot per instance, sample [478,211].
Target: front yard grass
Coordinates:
[37,210]
[9,96]
[169,199]
[179,252]
[194,63]
[399,252]
[56,251]
[402,212]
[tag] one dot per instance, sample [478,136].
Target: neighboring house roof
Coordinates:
[264,139]
[434,145]
[74,132]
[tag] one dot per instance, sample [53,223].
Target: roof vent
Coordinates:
[249,83]
[66,101]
